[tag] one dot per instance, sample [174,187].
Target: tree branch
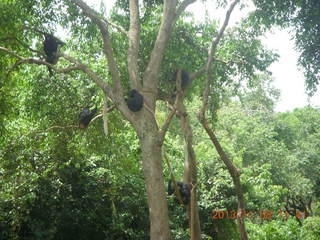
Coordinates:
[107,49]
[152,70]
[233,171]
[119,28]
[212,52]
[183,7]
[27,60]
[22,60]
[134,39]
[178,101]
[216,41]
[78,66]
[17,63]
[166,124]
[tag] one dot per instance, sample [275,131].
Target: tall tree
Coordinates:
[120,53]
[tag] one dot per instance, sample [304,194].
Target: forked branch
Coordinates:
[107,49]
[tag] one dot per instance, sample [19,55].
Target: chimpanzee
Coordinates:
[85,117]
[184,191]
[185,79]
[50,47]
[134,100]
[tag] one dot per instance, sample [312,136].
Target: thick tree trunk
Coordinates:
[153,173]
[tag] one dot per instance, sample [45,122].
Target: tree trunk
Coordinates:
[234,172]
[153,174]
[190,171]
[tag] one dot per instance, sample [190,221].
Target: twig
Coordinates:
[58,127]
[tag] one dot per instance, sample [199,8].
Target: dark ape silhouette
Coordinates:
[85,117]
[184,191]
[134,100]
[50,47]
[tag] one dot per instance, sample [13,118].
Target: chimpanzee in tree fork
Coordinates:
[134,100]
[50,47]
[85,117]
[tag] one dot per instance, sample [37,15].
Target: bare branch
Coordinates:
[216,41]
[94,16]
[28,60]
[170,15]
[212,52]
[105,117]
[176,191]
[183,7]
[151,72]
[134,39]
[80,66]
[234,173]
[38,62]
[115,92]
[119,28]
[68,69]
[214,44]
[59,127]
[11,53]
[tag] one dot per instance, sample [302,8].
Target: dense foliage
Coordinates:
[59,182]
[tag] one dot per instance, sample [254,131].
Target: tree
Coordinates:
[115,70]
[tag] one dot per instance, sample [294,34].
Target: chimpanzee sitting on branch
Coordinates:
[85,117]
[50,47]
[184,191]
[134,100]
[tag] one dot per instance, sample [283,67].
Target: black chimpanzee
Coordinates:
[85,117]
[185,79]
[184,191]
[50,47]
[134,100]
